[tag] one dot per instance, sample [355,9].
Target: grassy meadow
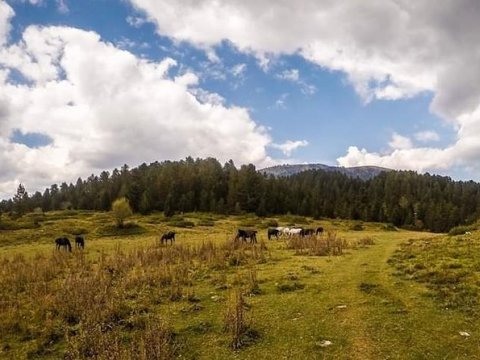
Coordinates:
[359,291]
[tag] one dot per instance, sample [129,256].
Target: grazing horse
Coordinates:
[168,236]
[319,230]
[247,234]
[80,242]
[63,242]
[295,232]
[307,232]
[273,233]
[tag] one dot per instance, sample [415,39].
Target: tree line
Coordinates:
[403,198]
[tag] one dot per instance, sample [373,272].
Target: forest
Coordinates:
[403,198]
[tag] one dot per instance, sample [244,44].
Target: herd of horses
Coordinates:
[294,231]
[277,232]
[64,243]
[242,234]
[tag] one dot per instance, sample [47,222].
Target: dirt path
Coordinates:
[384,317]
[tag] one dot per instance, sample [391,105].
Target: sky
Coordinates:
[90,85]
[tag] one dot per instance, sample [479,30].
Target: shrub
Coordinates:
[357,227]
[121,211]
[311,245]
[365,241]
[127,229]
[182,224]
[389,227]
[235,322]
[289,287]
[272,223]
[460,230]
[205,222]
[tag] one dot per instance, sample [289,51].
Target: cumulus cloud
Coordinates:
[400,142]
[6,13]
[103,107]
[289,146]
[387,49]
[427,136]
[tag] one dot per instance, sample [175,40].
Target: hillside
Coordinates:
[361,172]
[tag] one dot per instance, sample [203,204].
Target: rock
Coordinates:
[464,333]
[324,343]
[341,306]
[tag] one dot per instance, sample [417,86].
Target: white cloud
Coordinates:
[419,159]
[6,13]
[103,107]
[427,136]
[291,75]
[135,21]
[289,146]
[62,6]
[387,49]
[239,70]
[280,103]
[400,142]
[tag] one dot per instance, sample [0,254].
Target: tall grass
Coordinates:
[89,305]
[318,246]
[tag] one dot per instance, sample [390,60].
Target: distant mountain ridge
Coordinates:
[361,172]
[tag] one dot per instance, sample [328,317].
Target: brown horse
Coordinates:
[168,236]
[63,242]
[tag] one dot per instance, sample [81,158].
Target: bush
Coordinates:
[272,223]
[206,223]
[365,241]
[294,219]
[389,227]
[127,229]
[182,224]
[18,225]
[79,231]
[357,227]
[121,211]
[289,287]
[460,230]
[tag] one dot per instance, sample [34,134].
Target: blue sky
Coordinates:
[326,103]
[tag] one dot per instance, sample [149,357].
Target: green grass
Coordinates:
[381,299]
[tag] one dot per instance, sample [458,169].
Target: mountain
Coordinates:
[361,172]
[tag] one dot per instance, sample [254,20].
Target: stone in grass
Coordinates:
[464,334]
[324,343]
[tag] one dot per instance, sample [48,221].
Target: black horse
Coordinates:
[80,242]
[168,236]
[319,230]
[247,234]
[307,232]
[273,233]
[63,242]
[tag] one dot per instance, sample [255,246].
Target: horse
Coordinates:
[286,231]
[319,230]
[63,242]
[295,232]
[80,242]
[168,236]
[247,234]
[273,233]
[307,232]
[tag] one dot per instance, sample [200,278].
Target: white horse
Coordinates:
[295,231]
